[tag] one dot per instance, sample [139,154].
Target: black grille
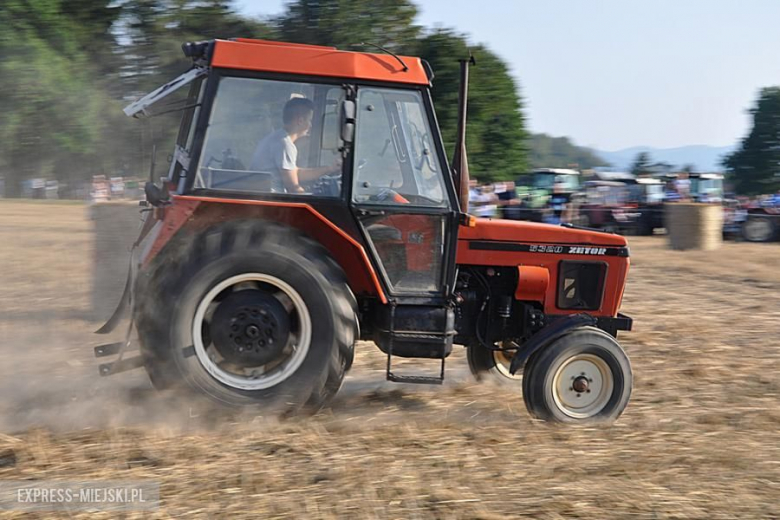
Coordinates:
[581,285]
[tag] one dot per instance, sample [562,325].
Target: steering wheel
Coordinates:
[327,186]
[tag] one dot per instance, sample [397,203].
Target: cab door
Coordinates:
[401,192]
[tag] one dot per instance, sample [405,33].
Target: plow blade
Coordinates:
[121,309]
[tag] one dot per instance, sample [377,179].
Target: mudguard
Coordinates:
[547,335]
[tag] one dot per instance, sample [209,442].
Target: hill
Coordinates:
[704,158]
[546,151]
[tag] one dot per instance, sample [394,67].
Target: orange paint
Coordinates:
[518,232]
[532,283]
[313,60]
[347,252]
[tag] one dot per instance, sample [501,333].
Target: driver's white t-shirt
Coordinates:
[276,152]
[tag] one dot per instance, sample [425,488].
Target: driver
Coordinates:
[277,154]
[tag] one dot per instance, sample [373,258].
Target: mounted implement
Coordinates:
[309,204]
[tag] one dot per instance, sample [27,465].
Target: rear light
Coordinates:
[581,285]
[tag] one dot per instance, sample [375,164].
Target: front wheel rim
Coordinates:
[582,386]
[254,378]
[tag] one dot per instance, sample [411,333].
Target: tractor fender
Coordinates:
[556,329]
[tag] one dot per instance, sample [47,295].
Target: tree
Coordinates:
[52,109]
[642,164]
[754,168]
[560,152]
[495,133]
[348,23]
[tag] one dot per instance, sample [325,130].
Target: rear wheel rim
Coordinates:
[582,386]
[272,373]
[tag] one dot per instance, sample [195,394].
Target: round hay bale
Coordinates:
[694,225]
[116,226]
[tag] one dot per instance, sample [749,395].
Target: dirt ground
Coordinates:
[699,438]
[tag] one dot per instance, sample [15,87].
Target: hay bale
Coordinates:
[116,226]
[694,226]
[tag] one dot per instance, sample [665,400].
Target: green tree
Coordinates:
[495,133]
[754,168]
[348,23]
[560,152]
[52,122]
[642,164]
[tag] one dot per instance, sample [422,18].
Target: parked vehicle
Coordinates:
[546,195]
[762,221]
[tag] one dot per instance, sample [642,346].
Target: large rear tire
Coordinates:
[253,313]
[582,377]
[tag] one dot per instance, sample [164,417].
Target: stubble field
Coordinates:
[698,440]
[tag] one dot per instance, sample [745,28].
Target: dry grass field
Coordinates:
[698,440]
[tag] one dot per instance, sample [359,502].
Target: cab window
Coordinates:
[267,136]
[395,160]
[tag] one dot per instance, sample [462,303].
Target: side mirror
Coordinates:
[347,121]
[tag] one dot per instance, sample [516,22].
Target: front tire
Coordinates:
[758,229]
[258,314]
[582,377]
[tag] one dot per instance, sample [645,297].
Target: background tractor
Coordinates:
[252,279]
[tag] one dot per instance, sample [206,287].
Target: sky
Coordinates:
[613,74]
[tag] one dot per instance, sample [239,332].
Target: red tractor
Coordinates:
[310,204]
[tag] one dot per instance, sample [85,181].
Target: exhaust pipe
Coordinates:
[460,164]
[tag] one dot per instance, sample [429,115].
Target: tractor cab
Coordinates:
[367,147]
[706,187]
[309,203]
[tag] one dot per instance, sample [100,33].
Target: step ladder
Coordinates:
[415,379]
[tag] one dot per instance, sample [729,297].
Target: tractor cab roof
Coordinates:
[315,60]
[289,58]
[555,171]
[648,180]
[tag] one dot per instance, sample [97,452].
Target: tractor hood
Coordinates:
[532,232]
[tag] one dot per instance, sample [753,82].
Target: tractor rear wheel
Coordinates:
[257,314]
[582,377]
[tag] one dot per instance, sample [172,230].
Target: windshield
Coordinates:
[268,136]
[556,182]
[395,160]
[654,193]
[707,188]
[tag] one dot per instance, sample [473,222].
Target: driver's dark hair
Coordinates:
[295,108]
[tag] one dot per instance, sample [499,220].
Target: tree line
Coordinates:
[67,67]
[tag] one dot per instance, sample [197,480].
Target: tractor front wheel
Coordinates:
[582,377]
[759,229]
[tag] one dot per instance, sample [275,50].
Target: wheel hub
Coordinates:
[250,328]
[580,384]
[583,386]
